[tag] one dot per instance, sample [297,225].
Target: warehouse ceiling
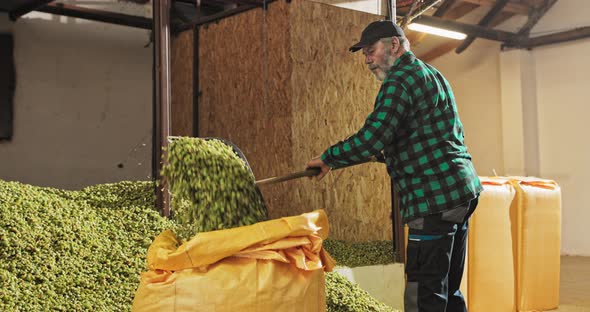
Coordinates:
[448,14]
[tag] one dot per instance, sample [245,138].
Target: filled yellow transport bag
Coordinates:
[276,265]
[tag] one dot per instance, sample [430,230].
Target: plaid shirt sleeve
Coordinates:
[378,130]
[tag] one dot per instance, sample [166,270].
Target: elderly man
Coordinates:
[415,124]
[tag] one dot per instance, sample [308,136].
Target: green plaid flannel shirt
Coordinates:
[416,125]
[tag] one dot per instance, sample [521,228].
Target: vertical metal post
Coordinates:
[196,91]
[399,239]
[161,33]
[397,225]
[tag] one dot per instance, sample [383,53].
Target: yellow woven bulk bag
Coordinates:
[276,265]
[538,206]
[491,279]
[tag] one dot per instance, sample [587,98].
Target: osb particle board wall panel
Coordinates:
[335,92]
[276,121]
[282,86]
[244,73]
[230,78]
[181,82]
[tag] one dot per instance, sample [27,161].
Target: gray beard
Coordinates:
[380,71]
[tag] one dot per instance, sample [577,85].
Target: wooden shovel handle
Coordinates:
[307,173]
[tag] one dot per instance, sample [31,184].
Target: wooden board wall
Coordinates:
[335,94]
[181,81]
[282,86]
[244,77]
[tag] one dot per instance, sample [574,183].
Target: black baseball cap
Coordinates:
[375,31]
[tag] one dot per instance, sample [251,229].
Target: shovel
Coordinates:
[311,172]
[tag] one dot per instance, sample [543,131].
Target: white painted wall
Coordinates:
[525,113]
[83,103]
[563,106]
[475,78]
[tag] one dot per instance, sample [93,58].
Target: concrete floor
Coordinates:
[575,284]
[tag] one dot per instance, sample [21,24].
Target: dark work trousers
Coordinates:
[435,261]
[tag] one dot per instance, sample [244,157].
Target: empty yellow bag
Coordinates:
[276,265]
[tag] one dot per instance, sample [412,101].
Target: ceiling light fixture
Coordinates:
[437,31]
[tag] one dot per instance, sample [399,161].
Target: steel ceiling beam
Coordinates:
[513,6]
[27,8]
[97,15]
[565,36]
[484,22]
[444,8]
[470,30]
[534,16]
[201,20]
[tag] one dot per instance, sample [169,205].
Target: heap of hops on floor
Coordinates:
[84,250]
[74,250]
